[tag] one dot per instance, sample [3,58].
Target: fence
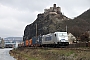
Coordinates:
[76,45]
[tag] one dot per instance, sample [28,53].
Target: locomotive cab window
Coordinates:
[55,35]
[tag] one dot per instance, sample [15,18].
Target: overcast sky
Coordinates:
[16,14]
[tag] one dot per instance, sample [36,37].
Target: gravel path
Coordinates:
[4,54]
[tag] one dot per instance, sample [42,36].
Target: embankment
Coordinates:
[27,53]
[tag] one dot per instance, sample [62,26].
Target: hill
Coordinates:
[80,24]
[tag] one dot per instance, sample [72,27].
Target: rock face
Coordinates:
[47,22]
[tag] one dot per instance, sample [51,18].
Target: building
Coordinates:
[2,45]
[71,38]
[89,35]
[13,41]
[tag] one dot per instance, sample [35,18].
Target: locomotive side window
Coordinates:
[48,38]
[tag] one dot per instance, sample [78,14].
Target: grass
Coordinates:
[53,54]
[29,57]
[25,56]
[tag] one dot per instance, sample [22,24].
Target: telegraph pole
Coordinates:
[36,29]
[36,36]
[66,28]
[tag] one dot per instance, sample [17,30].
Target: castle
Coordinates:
[53,10]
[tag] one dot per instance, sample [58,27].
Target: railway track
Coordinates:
[61,48]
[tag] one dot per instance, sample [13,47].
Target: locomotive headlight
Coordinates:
[60,40]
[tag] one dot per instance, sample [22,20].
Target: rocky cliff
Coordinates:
[45,23]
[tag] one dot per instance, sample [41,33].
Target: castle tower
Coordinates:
[51,9]
[58,10]
[54,5]
[54,8]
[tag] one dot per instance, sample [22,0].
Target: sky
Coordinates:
[16,14]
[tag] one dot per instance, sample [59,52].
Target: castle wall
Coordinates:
[55,9]
[52,13]
[46,10]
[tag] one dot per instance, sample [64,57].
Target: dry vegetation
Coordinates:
[51,53]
